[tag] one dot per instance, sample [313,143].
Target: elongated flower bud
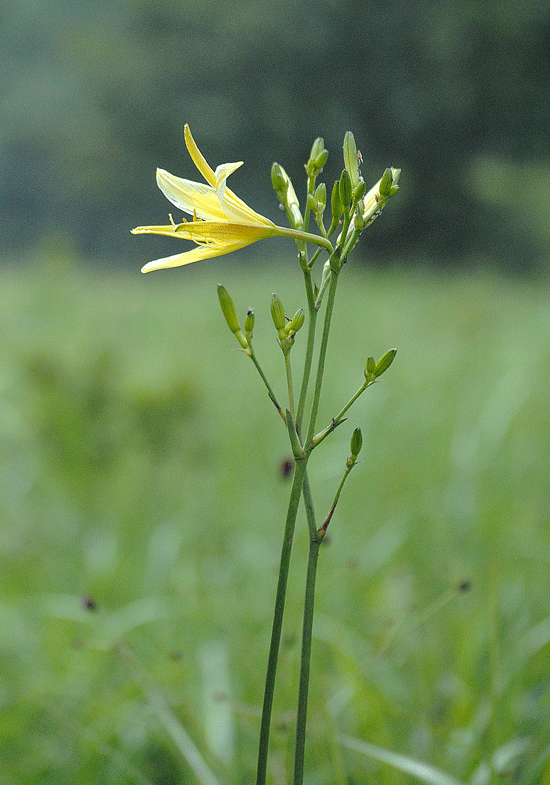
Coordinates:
[317,158]
[346,190]
[317,148]
[336,203]
[228,310]
[370,366]
[277,313]
[321,160]
[321,197]
[296,322]
[278,181]
[384,362]
[287,195]
[359,191]
[350,159]
[356,442]
[386,183]
[249,324]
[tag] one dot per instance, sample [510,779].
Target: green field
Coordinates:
[142,506]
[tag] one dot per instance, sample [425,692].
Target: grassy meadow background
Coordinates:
[141,492]
[142,503]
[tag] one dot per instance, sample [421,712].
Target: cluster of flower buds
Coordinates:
[286,328]
[318,200]
[375,369]
[352,205]
[317,158]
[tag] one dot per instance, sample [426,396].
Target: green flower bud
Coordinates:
[384,362]
[386,183]
[345,189]
[317,158]
[350,159]
[287,195]
[278,181]
[356,442]
[277,313]
[241,339]
[249,324]
[359,220]
[317,148]
[318,201]
[359,191]
[296,322]
[228,309]
[395,187]
[370,367]
[321,160]
[336,203]
[321,197]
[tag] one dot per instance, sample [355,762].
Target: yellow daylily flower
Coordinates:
[221,223]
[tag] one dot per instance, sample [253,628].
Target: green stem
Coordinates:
[288,368]
[313,311]
[298,234]
[276,631]
[313,556]
[351,462]
[322,355]
[303,690]
[300,485]
[351,401]
[308,505]
[316,537]
[336,421]
[310,190]
[268,386]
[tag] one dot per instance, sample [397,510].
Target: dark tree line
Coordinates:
[94,97]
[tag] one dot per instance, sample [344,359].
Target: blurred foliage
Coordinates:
[141,501]
[95,95]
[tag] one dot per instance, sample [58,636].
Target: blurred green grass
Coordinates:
[142,501]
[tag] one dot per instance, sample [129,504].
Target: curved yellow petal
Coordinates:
[191,197]
[195,255]
[211,231]
[235,208]
[198,158]
[222,173]
[205,231]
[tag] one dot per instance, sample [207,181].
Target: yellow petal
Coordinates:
[195,255]
[198,158]
[222,173]
[191,197]
[235,208]
[371,198]
[211,231]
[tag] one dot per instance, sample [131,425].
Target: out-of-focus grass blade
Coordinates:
[175,729]
[216,688]
[181,738]
[415,768]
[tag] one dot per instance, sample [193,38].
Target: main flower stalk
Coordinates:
[222,223]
